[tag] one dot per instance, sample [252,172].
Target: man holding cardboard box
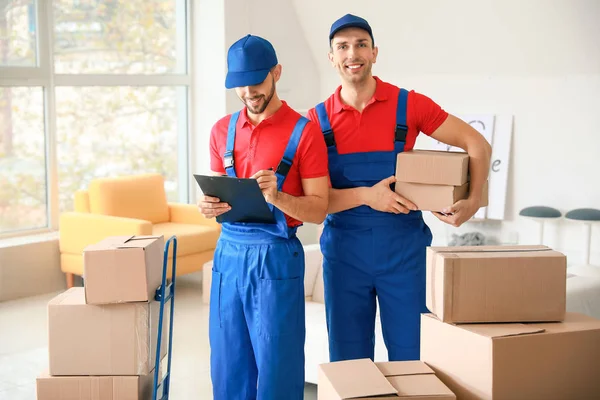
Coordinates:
[374,240]
[257,296]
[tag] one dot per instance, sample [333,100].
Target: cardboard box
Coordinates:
[94,387]
[437,197]
[112,339]
[122,269]
[363,379]
[549,361]
[496,283]
[432,167]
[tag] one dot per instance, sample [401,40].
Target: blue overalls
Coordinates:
[257,317]
[369,254]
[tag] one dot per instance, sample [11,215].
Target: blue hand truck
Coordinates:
[163,294]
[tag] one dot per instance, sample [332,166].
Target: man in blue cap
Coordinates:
[374,240]
[257,322]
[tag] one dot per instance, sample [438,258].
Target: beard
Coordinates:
[263,101]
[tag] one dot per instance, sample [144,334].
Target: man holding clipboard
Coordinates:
[257,322]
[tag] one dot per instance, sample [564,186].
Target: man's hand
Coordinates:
[212,207]
[381,198]
[459,212]
[267,181]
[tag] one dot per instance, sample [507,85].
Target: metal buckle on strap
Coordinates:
[401,131]
[284,167]
[228,159]
[329,138]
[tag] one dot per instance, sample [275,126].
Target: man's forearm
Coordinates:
[479,165]
[311,209]
[345,199]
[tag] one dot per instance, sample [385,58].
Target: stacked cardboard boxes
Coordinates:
[102,338]
[434,180]
[499,329]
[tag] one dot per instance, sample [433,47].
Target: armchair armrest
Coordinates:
[78,230]
[189,214]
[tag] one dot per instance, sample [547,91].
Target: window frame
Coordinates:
[43,76]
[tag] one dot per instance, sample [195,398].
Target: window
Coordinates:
[18,33]
[119,37]
[89,88]
[23,203]
[130,129]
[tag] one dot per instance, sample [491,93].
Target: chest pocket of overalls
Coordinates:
[367,169]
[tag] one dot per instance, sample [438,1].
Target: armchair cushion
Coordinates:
[82,201]
[189,214]
[141,197]
[190,238]
[78,230]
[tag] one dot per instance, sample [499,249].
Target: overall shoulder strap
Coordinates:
[325,124]
[228,161]
[290,152]
[401,126]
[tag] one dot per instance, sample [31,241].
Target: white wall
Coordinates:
[217,26]
[538,60]
[276,21]
[208,73]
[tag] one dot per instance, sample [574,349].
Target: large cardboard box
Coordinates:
[112,339]
[94,387]
[365,380]
[496,283]
[549,361]
[432,167]
[122,269]
[428,197]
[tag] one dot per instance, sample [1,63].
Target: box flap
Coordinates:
[108,243]
[357,378]
[403,368]
[490,249]
[417,386]
[572,322]
[501,330]
[496,330]
[72,296]
[138,242]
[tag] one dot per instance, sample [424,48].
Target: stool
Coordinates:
[587,216]
[540,214]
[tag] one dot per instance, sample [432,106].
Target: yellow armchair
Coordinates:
[134,205]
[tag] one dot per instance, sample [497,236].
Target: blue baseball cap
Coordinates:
[249,61]
[350,21]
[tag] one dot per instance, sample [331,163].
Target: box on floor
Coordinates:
[550,361]
[365,380]
[111,339]
[496,283]
[94,387]
[121,269]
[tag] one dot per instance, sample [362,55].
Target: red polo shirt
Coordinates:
[374,128]
[261,147]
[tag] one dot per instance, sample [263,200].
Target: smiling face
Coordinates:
[258,97]
[352,53]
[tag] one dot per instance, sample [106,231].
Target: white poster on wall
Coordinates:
[498,181]
[497,130]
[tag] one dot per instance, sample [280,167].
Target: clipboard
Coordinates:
[242,194]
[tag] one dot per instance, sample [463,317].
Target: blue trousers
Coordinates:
[364,263]
[257,318]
